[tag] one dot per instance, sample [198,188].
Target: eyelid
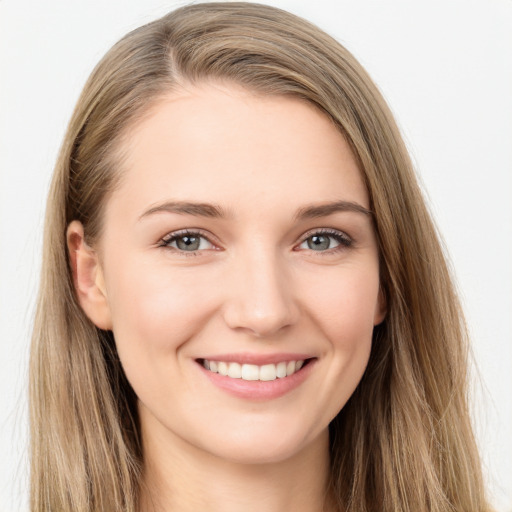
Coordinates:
[169,237]
[344,239]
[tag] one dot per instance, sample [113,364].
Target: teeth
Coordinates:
[281,370]
[268,372]
[265,372]
[234,371]
[250,372]
[223,368]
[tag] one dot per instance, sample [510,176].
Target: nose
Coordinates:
[261,299]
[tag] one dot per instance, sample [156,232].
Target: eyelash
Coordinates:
[176,235]
[341,238]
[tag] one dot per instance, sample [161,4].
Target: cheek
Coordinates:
[345,313]
[155,314]
[345,302]
[155,311]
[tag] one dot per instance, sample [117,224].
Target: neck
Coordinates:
[179,477]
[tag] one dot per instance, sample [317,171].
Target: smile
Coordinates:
[253,372]
[255,376]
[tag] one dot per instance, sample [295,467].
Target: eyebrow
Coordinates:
[325,209]
[216,211]
[187,208]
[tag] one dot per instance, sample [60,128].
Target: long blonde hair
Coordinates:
[404,441]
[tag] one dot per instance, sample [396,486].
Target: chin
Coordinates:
[269,447]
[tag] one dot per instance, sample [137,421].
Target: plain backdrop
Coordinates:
[445,66]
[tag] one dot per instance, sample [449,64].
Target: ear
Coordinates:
[88,277]
[381,308]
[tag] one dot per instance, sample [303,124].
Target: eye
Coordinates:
[322,241]
[187,241]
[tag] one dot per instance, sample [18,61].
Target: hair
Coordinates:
[404,440]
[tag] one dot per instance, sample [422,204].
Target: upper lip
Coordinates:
[258,359]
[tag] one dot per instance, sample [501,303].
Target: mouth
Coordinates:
[254,372]
[250,381]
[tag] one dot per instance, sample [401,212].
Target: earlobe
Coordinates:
[88,277]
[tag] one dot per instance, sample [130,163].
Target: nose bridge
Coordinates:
[261,298]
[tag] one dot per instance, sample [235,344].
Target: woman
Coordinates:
[255,312]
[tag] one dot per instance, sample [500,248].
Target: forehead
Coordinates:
[221,143]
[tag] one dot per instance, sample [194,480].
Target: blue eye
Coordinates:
[323,241]
[187,242]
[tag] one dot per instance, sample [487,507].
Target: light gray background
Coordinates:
[445,67]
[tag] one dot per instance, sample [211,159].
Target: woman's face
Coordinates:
[238,240]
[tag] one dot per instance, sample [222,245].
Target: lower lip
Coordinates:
[257,389]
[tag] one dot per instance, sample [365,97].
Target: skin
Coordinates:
[255,286]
